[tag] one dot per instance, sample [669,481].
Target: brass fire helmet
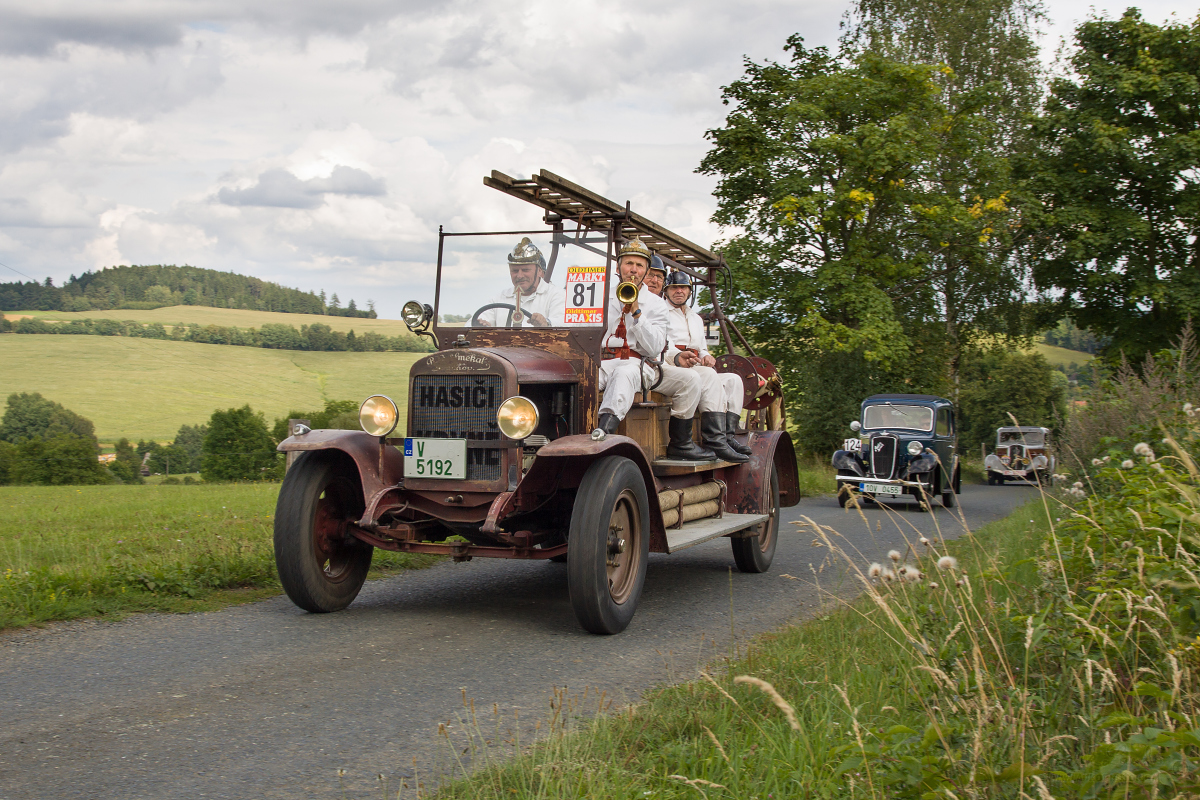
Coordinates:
[627,291]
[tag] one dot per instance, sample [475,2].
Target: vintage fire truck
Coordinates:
[502,457]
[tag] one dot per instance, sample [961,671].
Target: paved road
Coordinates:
[264,700]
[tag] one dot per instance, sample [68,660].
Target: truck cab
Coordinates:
[500,456]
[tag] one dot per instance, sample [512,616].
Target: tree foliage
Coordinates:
[998,382]
[238,447]
[336,415]
[31,416]
[1117,170]
[45,443]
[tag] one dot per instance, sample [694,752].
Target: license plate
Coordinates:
[435,458]
[881,488]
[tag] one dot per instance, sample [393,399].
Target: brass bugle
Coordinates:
[627,292]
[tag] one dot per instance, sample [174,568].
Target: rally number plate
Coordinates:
[435,458]
[881,488]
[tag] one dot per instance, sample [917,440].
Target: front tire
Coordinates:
[948,498]
[321,566]
[755,553]
[609,545]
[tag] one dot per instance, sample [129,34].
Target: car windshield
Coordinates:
[887,415]
[481,274]
[1034,438]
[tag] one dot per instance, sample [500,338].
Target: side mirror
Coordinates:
[856,426]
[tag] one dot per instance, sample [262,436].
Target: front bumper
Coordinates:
[866,485]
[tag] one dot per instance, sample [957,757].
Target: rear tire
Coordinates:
[609,545]
[321,566]
[755,553]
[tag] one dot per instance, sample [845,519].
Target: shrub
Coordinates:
[237,447]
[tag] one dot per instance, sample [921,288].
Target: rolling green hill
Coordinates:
[1060,356]
[203,315]
[146,389]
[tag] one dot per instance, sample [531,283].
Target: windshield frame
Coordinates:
[580,236]
[889,404]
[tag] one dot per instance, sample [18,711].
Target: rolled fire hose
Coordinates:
[698,502]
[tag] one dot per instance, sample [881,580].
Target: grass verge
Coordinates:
[85,551]
[1051,654]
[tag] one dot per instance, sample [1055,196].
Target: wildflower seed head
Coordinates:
[1127,464]
[875,570]
[894,555]
[924,541]
[1106,459]
[889,576]
[933,585]
[1077,485]
[947,562]
[958,583]
[1143,449]
[1096,462]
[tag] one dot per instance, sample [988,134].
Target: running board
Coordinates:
[702,530]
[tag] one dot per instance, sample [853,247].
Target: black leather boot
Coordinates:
[608,422]
[712,433]
[731,424]
[681,444]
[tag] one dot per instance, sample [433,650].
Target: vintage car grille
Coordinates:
[883,455]
[460,407]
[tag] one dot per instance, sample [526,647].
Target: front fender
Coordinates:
[380,466]
[994,463]
[844,459]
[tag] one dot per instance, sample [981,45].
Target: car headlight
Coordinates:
[378,415]
[517,417]
[413,313]
[915,448]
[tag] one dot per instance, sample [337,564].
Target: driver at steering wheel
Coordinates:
[542,302]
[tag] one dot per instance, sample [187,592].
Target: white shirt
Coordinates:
[547,300]
[647,332]
[684,327]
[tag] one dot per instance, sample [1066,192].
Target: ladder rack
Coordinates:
[567,201]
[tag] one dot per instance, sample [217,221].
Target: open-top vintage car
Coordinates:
[502,456]
[1022,454]
[905,444]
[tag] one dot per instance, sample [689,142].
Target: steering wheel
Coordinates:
[474,323]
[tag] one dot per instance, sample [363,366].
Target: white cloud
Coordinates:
[321,144]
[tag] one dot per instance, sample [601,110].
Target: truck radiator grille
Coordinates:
[460,407]
[883,456]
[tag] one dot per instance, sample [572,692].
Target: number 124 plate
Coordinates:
[435,458]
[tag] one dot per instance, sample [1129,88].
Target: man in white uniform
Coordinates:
[642,328]
[720,392]
[543,301]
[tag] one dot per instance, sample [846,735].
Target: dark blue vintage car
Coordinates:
[905,444]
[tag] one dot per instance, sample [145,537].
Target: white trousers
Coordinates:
[719,391]
[620,380]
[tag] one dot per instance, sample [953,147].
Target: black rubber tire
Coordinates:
[320,566]
[612,489]
[754,554]
[948,498]
[561,558]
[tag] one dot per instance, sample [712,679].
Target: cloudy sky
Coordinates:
[320,144]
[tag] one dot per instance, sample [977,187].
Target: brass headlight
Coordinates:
[517,417]
[378,415]
[413,313]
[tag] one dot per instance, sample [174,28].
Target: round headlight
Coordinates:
[915,448]
[517,417]
[378,415]
[413,313]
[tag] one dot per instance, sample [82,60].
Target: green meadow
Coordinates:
[85,551]
[147,388]
[228,317]
[1061,356]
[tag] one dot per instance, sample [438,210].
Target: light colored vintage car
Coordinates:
[1022,454]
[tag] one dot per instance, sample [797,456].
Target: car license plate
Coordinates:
[435,458]
[881,488]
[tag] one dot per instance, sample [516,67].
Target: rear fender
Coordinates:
[380,466]
[749,483]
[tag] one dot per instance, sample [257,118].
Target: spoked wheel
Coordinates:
[320,565]
[609,545]
[754,553]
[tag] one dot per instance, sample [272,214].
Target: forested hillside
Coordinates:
[158,285]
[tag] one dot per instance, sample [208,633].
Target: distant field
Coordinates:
[146,388]
[1062,356]
[203,315]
